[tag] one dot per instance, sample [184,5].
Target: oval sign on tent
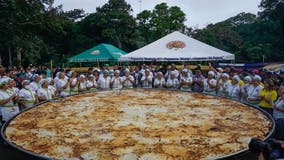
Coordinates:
[95,52]
[175,45]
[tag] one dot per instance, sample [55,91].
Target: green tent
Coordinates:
[100,53]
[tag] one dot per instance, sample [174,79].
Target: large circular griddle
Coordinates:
[235,154]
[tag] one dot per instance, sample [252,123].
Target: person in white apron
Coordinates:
[210,84]
[7,106]
[223,85]
[244,88]
[28,96]
[146,79]
[116,81]
[82,83]
[91,83]
[127,79]
[104,81]
[63,85]
[234,90]
[74,83]
[52,87]
[12,87]
[35,85]
[159,81]
[254,90]
[185,81]
[172,82]
[44,93]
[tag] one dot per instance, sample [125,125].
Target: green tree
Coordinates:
[112,23]
[163,20]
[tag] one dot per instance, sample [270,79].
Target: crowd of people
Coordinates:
[23,88]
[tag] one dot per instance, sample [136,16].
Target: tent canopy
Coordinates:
[177,47]
[101,52]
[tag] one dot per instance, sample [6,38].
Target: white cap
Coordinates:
[25,81]
[257,77]
[173,72]
[248,78]
[126,70]
[96,69]
[220,69]
[237,78]
[82,76]
[35,76]
[3,81]
[184,70]
[211,73]
[159,73]
[117,71]
[225,75]
[91,75]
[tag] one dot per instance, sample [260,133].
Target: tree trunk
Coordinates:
[19,56]
[10,55]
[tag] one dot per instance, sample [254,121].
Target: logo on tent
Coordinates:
[95,52]
[175,45]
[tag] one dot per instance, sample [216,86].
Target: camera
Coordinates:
[270,149]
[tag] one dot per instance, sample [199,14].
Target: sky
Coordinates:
[199,13]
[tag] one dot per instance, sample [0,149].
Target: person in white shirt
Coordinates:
[91,83]
[234,90]
[210,84]
[116,81]
[28,97]
[63,85]
[44,93]
[12,87]
[7,106]
[35,85]
[223,85]
[254,90]
[82,83]
[185,81]
[159,81]
[74,83]
[244,88]
[146,79]
[104,81]
[52,87]
[173,82]
[127,79]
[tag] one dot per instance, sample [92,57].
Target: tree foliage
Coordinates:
[36,31]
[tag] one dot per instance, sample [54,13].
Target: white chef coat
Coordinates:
[159,83]
[148,82]
[116,82]
[172,83]
[127,83]
[8,110]
[207,88]
[45,93]
[35,86]
[186,79]
[104,83]
[28,95]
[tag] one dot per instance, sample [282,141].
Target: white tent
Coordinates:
[177,47]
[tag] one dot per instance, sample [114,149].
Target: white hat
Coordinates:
[237,78]
[211,73]
[126,70]
[105,71]
[35,76]
[159,73]
[96,69]
[248,78]
[257,77]
[220,69]
[43,81]
[91,75]
[3,81]
[82,76]
[57,74]
[225,75]
[173,72]
[184,70]
[25,81]
[117,71]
